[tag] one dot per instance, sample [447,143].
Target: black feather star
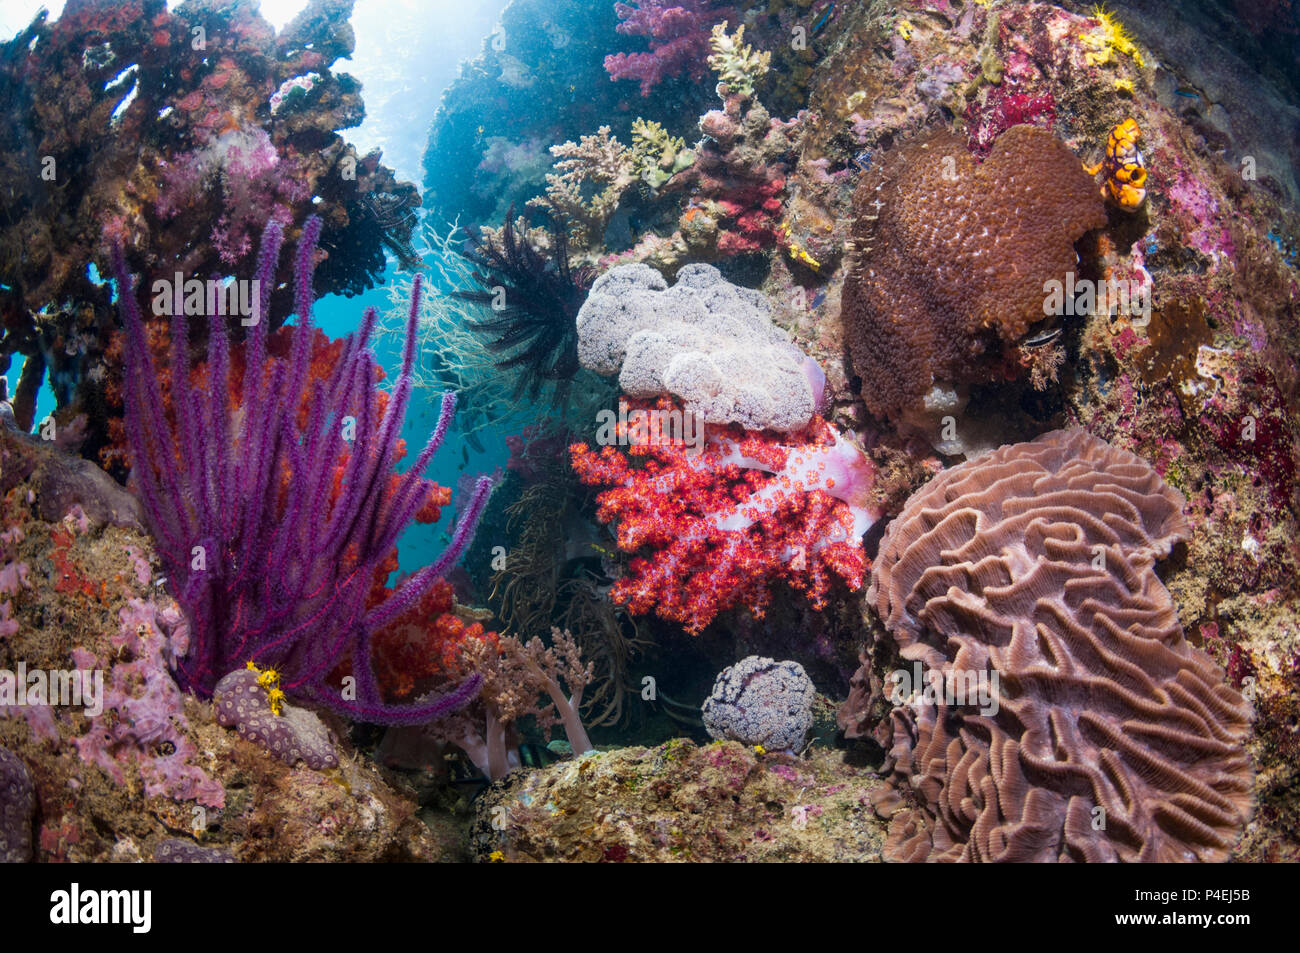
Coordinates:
[534,300]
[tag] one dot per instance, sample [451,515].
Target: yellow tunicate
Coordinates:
[1109,35]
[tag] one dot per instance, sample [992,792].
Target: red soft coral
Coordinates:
[726,522]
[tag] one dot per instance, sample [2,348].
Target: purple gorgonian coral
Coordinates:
[272,533]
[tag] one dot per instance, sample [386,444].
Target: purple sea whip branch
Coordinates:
[266,566]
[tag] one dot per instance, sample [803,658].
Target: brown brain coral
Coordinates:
[952,257]
[1114,738]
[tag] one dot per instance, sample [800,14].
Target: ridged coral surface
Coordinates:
[1114,739]
[952,257]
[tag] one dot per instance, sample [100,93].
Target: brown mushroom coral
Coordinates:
[1113,738]
[952,257]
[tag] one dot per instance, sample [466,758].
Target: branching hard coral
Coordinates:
[658,155]
[713,529]
[584,192]
[737,183]
[271,524]
[533,300]
[738,66]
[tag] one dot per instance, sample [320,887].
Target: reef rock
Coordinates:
[680,802]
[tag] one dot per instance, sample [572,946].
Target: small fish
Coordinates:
[826,17]
[464,455]
[1040,338]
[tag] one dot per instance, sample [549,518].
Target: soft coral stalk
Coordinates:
[272,531]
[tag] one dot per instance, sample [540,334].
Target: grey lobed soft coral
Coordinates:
[704,340]
[17,808]
[759,701]
[295,735]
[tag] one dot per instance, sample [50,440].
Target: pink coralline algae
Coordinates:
[1203,223]
[678,32]
[142,725]
[1003,109]
[255,184]
[13,579]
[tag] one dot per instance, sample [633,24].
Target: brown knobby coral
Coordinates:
[1112,738]
[952,257]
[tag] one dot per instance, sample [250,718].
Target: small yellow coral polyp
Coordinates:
[796,250]
[497,857]
[269,679]
[1125,170]
[1109,35]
